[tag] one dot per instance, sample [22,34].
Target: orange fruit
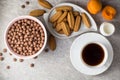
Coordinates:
[94,6]
[109,12]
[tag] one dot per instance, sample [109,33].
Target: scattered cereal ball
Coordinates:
[1,54]
[1,58]
[21,60]
[8,67]
[4,50]
[32,65]
[14,59]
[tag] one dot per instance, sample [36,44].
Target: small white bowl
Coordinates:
[107,29]
[105,55]
[8,27]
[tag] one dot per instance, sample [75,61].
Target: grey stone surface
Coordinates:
[53,65]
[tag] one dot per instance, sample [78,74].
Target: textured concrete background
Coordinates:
[53,65]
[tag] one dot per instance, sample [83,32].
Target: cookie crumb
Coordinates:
[8,67]
[1,54]
[32,65]
[46,50]
[1,58]
[4,50]
[27,2]
[14,59]
[21,60]
[22,6]
[35,57]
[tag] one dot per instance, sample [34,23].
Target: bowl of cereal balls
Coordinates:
[25,37]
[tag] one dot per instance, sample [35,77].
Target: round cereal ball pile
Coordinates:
[25,37]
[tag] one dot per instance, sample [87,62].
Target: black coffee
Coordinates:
[93,54]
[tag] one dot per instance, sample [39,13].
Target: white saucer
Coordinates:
[79,43]
[82,29]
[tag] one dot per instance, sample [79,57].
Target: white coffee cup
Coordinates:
[104,59]
[107,29]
